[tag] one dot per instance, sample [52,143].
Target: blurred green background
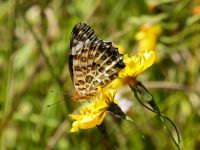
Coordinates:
[34,50]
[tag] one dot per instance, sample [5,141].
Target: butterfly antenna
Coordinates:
[55,103]
[59,92]
[59,100]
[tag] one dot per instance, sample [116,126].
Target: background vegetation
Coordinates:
[34,50]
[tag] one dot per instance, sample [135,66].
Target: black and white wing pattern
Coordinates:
[92,61]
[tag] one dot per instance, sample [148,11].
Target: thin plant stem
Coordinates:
[41,49]
[136,89]
[102,129]
[172,86]
[114,108]
[8,73]
[19,94]
[56,136]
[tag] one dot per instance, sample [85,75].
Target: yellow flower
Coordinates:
[94,113]
[115,84]
[147,37]
[136,64]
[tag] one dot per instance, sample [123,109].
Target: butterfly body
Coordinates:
[93,62]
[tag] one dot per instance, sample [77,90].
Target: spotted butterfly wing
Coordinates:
[92,61]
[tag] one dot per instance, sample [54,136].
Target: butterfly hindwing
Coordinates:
[108,63]
[92,61]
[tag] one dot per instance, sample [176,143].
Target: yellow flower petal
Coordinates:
[88,121]
[137,64]
[94,113]
[115,83]
[76,117]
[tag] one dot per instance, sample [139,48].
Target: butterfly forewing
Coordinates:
[92,61]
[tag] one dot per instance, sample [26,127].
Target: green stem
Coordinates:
[149,99]
[114,108]
[102,129]
[42,51]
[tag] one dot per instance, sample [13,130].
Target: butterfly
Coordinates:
[93,62]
